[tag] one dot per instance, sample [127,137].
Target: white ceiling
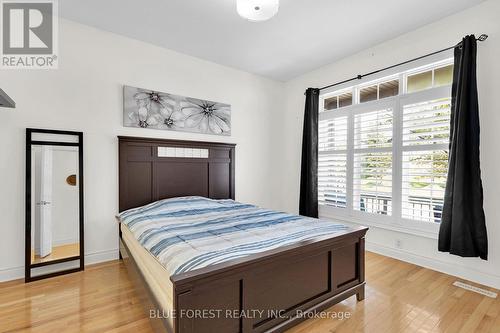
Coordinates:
[305,35]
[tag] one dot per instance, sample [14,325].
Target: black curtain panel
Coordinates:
[463,230]
[308,205]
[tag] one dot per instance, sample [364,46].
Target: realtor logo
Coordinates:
[29,33]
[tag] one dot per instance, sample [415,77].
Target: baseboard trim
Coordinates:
[9,274]
[101,256]
[436,265]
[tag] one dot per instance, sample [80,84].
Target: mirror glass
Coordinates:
[54,203]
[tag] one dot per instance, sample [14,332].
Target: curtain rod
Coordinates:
[481,38]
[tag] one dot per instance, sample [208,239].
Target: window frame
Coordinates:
[337,94]
[395,221]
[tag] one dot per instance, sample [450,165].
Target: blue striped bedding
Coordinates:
[189,233]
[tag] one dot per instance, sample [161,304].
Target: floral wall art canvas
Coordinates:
[152,109]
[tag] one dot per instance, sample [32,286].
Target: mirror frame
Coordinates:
[81,257]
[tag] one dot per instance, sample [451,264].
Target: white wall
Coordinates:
[85,94]
[483,18]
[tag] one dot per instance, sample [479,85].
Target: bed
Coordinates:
[202,262]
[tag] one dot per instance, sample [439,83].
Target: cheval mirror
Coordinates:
[54,203]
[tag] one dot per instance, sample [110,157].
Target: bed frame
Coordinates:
[266,292]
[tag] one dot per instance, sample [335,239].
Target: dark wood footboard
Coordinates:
[271,291]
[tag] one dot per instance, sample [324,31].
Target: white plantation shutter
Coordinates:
[332,168]
[373,182]
[332,134]
[332,173]
[427,123]
[373,129]
[424,181]
[426,131]
[372,170]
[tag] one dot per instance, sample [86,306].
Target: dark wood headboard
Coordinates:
[145,177]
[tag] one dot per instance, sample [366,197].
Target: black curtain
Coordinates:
[463,230]
[308,205]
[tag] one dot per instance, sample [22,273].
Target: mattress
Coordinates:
[188,233]
[156,276]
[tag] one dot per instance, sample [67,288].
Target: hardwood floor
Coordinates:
[58,252]
[400,297]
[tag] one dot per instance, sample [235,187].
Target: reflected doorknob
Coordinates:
[43,203]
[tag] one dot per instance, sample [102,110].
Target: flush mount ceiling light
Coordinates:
[257,10]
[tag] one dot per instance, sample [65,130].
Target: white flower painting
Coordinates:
[156,110]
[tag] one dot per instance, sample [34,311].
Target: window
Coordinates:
[383,147]
[339,100]
[332,164]
[372,178]
[378,91]
[430,78]
[426,129]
